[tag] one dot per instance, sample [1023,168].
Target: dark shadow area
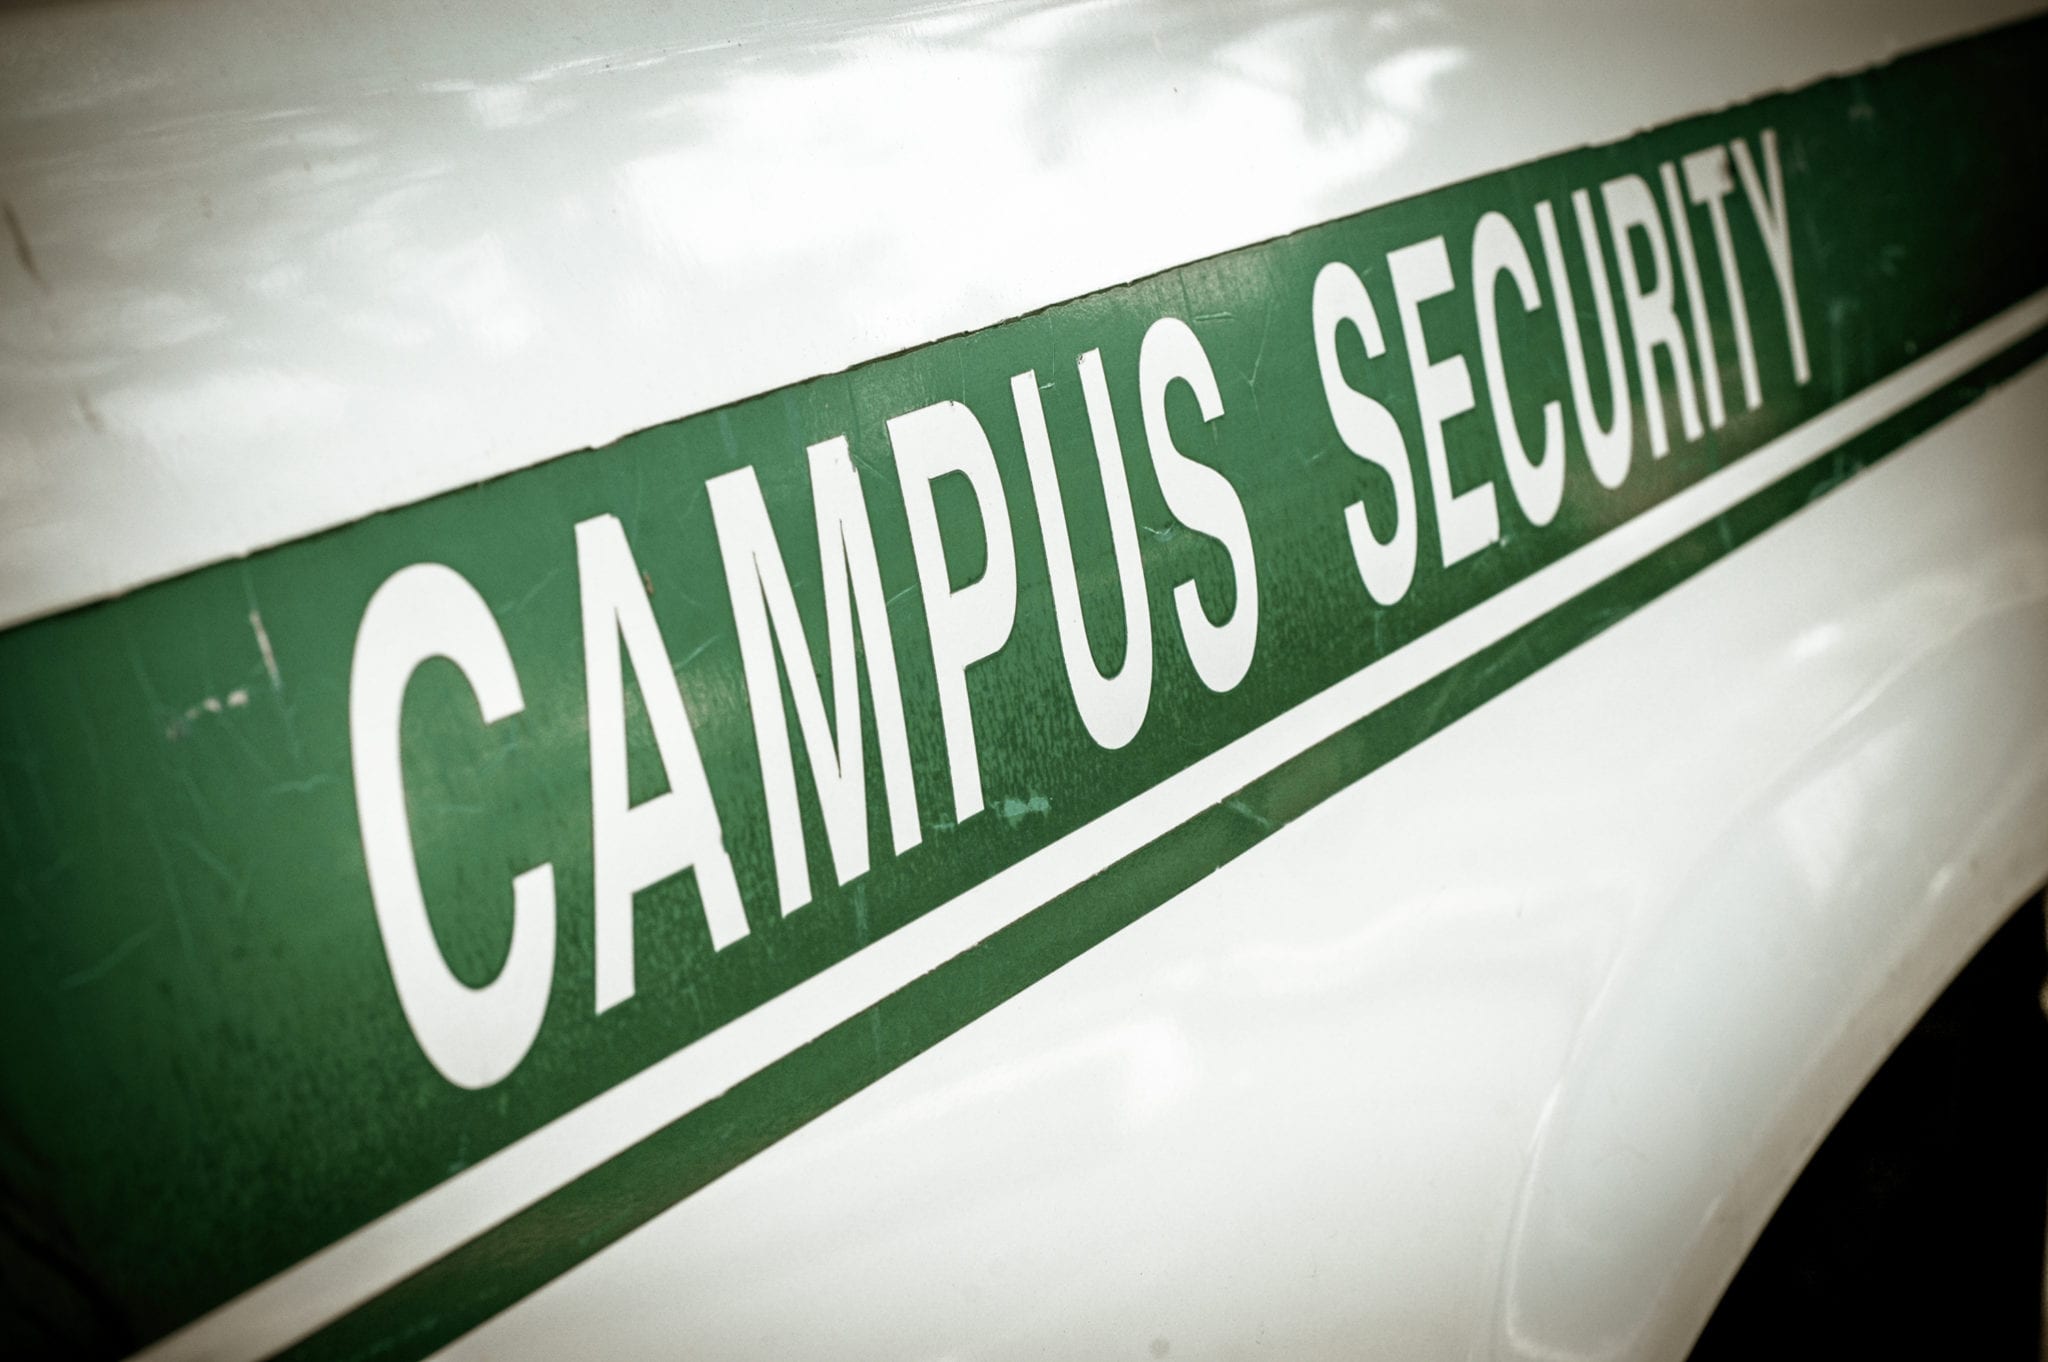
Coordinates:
[1916,1231]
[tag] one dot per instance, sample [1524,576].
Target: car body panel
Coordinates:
[1507,1067]
[418,250]
[1495,1034]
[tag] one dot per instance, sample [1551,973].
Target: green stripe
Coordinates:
[449,1297]
[209,1076]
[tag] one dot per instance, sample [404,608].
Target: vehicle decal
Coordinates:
[399,916]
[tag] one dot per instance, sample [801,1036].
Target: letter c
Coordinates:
[474,1036]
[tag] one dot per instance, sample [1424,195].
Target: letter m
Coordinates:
[765,616]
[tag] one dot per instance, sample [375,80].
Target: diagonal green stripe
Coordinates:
[210,1078]
[460,1291]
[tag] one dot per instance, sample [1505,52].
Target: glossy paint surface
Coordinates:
[273,267]
[1526,1097]
[1506,1052]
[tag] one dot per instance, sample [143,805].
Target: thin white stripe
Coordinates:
[382,1253]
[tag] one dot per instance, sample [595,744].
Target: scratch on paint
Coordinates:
[861,934]
[25,759]
[1244,810]
[540,586]
[687,658]
[179,726]
[507,749]
[238,883]
[1251,380]
[95,972]
[270,667]
[181,772]
[173,899]
[1258,360]
[1015,811]
[860,461]
[1516,660]
[22,250]
[306,786]
[263,642]
[1432,717]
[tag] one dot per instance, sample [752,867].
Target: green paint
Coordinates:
[208,1075]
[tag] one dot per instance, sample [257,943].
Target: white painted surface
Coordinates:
[1505,1052]
[294,263]
[382,1253]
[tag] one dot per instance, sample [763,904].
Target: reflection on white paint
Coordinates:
[496,238]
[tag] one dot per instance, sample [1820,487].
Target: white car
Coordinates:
[1021,680]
